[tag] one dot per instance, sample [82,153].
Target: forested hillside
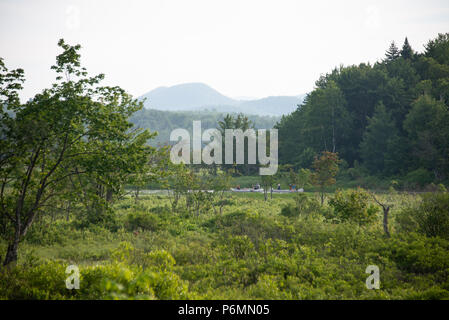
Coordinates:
[388,119]
[164,122]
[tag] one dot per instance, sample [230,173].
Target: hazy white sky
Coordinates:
[239,47]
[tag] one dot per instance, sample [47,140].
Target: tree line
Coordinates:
[164,122]
[390,119]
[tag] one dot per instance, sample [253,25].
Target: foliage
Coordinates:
[304,205]
[122,279]
[390,117]
[353,205]
[72,141]
[325,169]
[430,217]
[140,220]
[251,251]
[165,122]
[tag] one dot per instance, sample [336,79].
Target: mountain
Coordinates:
[199,96]
[187,96]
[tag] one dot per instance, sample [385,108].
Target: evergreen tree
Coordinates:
[378,135]
[407,51]
[393,52]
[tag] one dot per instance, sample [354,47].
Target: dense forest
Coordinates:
[390,119]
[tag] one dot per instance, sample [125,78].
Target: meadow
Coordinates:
[254,249]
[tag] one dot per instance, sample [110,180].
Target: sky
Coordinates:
[242,48]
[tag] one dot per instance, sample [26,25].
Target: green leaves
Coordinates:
[343,114]
[353,205]
[72,142]
[325,169]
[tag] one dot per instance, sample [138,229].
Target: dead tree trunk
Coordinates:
[386,211]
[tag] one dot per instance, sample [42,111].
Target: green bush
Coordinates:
[353,205]
[430,217]
[246,223]
[304,205]
[418,254]
[418,178]
[123,278]
[289,211]
[49,233]
[98,216]
[142,220]
[43,281]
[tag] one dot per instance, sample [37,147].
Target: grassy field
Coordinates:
[253,250]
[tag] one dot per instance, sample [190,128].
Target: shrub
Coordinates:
[97,216]
[123,278]
[142,220]
[353,205]
[120,281]
[43,281]
[418,254]
[47,233]
[303,205]
[289,211]
[418,178]
[430,217]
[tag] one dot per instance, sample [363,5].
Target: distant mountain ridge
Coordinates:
[199,96]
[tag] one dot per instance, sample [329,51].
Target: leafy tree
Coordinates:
[243,123]
[327,118]
[438,49]
[267,183]
[220,183]
[427,125]
[353,205]
[75,128]
[429,217]
[177,182]
[300,179]
[325,169]
[158,167]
